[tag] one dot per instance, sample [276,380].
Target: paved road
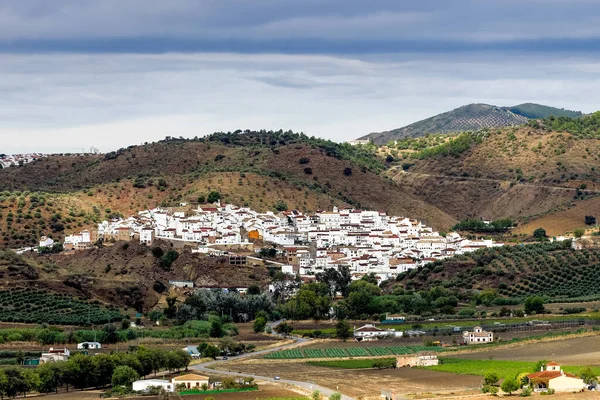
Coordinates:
[311,386]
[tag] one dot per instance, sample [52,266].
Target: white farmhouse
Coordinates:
[478,336]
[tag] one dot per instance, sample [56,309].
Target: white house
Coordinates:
[147,236]
[553,377]
[45,241]
[370,332]
[145,384]
[54,355]
[478,336]
[190,381]
[89,345]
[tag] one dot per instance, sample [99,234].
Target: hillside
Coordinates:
[126,275]
[550,270]
[465,118]
[63,194]
[534,111]
[529,171]
[472,117]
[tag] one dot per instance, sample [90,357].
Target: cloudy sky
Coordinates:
[110,73]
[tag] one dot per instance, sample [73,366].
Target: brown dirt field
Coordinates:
[364,383]
[563,221]
[572,351]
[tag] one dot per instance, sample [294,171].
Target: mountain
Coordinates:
[545,173]
[62,194]
[471,117]
[533,111]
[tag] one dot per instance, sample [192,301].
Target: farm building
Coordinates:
[371,332]
[144,385]
[89,345]
[416,361]
[54,355]
[553,377]
[191,380]
[478,336]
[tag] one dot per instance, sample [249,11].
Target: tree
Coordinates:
[509,385]
[342,330]
[204,387]
[490,378]
[124,376]
[201,199]
[539,233]
[259,324]
[253,289]
[347,171]
[216,328]
[316,395]
[51,376]
[308,171]
[335,396]
[214,196]
[579,232]
[590,220]
[534,305]
[280,205]
[110,333]
[589,377]
[155,315]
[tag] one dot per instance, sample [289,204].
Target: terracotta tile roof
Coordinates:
[191,377]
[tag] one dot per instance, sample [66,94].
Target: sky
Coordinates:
[112,73]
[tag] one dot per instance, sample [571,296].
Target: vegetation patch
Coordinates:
[37,306]
[351,352]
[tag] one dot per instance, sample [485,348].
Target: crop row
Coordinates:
[348,352]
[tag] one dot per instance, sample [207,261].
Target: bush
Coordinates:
[304,160]
[539,233]
[347,171]
[308,171]
[509,385]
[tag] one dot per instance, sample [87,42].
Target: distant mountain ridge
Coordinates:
[471,117]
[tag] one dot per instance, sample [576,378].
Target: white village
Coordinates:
[364,241]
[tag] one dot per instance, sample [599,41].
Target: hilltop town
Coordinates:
[365,241]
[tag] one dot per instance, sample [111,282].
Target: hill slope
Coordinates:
[465,118]
[529,171]
[550,270]
[470,118]
[532,111]
[305,174]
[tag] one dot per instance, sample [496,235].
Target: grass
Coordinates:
[349,364]
[502,368]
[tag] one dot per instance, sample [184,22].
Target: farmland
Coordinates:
[502,368]
[37,306]
[349,352]
[351,364]
[549,269]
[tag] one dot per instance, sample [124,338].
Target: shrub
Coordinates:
[308,171]
[304,160]
[347,171]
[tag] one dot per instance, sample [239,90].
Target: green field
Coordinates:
[349,364]
[502,368]
[349,352]
[39,306]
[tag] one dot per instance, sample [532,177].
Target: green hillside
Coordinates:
[550,270]
[532,110]
[470,118]
[465,118]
